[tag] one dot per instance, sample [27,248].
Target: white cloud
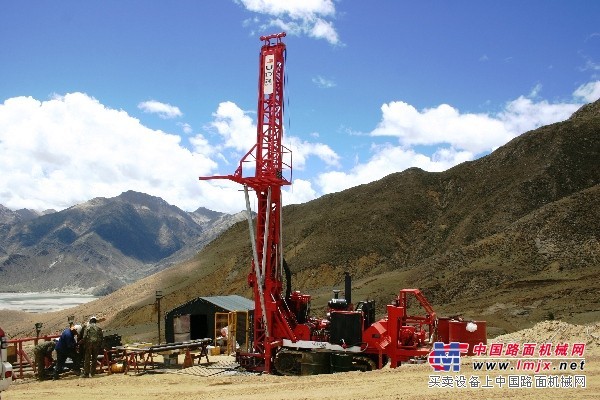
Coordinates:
[71,148]
[235,126]
[201,144]
[238,131]
[165,111]
[322,29]
[440,125]
[475,133]
[386,160]
[323,82]
[457,137]
[535,91]
[296,17]
[591,66]
[187,128]
[301,150]
[523,114]
[300,192]
[589,92]
[295,9]
[594,35]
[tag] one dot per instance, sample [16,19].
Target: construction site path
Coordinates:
[409,381]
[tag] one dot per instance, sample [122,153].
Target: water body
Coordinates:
[37,302]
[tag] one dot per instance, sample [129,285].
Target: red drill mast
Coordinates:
[272,318]
[287,339]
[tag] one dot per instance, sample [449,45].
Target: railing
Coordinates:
[19,358]
[137,359]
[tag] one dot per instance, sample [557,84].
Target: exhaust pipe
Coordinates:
[348,288]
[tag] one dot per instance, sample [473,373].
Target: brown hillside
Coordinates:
[511,238]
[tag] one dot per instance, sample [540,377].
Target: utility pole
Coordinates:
[159,295]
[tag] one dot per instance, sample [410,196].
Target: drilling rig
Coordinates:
[286,339]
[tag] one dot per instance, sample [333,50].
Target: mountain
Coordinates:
[100,245]
[8,216]
[511,238]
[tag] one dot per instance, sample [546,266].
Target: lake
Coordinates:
[42,301]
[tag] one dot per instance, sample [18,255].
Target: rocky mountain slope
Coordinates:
[100,245]
[511,238]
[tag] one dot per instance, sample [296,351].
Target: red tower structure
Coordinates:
[286,338]
[272,318]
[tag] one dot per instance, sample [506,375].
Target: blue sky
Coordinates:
[100,97]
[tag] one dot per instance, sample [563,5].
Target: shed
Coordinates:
[196,318]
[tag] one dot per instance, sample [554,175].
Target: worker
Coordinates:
[92,343]
[66,347]
[81,346]
[221,341]
[78,358]
[42,352]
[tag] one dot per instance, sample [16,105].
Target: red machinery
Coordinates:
[286,339]
[272,318]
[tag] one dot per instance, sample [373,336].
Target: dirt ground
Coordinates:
[213,381]
[409,381]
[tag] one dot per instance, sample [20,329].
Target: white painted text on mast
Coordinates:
[269,74]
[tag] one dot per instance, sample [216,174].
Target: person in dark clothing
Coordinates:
[66,347]
[92,343]
[42,352]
